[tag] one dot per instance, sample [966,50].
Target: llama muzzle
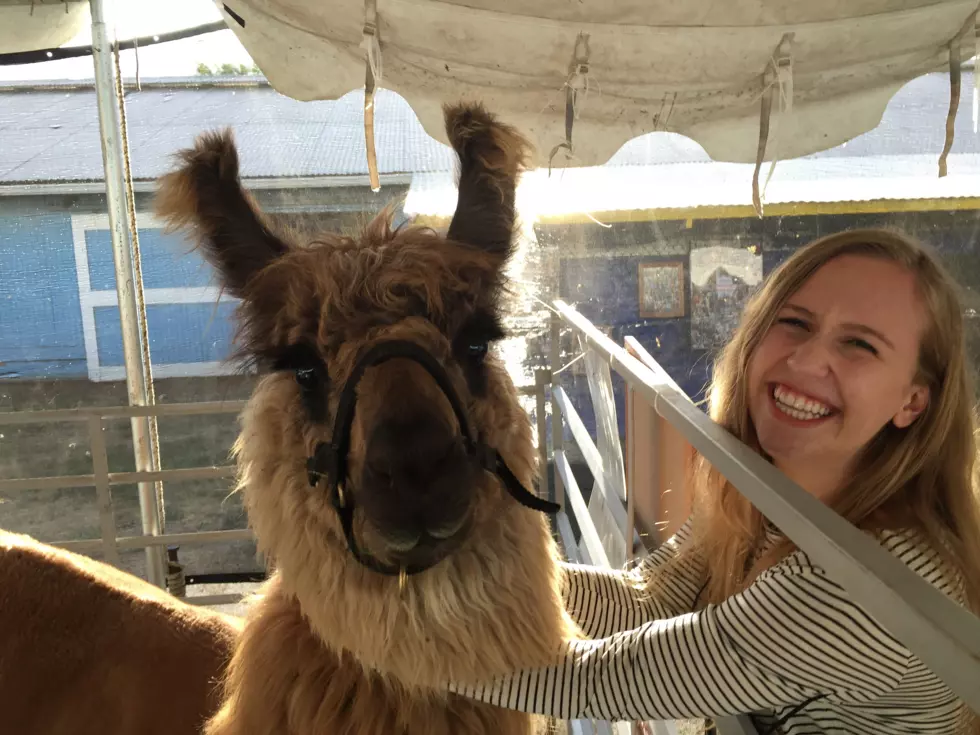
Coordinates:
[464,457]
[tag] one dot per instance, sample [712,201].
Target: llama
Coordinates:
[383,457]
[87,649]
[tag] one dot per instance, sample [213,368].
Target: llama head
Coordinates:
[368,327]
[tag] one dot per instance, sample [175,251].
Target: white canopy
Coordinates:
[29,25]
[697,67]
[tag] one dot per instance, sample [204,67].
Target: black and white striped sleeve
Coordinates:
[791,636]
[606,601]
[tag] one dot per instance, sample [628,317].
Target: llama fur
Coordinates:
[88,649]
[330,646]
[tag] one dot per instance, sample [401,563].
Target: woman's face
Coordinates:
[837,365]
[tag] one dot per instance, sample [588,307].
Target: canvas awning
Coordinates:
[28,25]
[704,69]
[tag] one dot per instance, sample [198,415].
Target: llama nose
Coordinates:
[417,482]
[412,448]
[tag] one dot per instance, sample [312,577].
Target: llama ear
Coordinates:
[204,196]
[492,156]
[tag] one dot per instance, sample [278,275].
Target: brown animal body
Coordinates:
[335,646]
[87,649]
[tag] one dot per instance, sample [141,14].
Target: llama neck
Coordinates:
[482,613]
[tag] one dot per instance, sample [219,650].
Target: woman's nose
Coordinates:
[811,356]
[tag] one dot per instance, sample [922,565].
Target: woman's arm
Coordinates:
[606,601]
[791,636]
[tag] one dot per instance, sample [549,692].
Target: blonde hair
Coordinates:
[922,477]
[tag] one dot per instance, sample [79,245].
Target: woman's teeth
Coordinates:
[799,407]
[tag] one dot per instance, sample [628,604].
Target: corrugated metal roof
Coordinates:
[51,134]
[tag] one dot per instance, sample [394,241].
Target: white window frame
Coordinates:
[90,299]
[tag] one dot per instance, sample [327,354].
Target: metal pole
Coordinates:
[112,160]
[541,378]
[557,428]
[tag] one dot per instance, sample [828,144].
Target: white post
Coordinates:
[557,427]
[112,160]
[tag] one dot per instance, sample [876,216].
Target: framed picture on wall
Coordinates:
[662,289]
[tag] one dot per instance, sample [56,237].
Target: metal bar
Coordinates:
[117,478]
[229,599]
[177,475]
[112,160]
[652,467]
[630,474]
[945,636]
[121,412]
[609,514]
[47,483]
[737,725]
[592,458]
[593,544]
[129,543]
[590,453]
[541,379]
[574,555]
[557,426]
[637,350]
[253,184]
[607,427]
[100,466]
[567,536]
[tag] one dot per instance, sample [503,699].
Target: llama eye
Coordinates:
[477,350]
[306,378]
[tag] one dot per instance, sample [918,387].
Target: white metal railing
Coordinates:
[945,636]
[109,543]
[606,527]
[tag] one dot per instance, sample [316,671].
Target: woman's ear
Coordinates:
[918,401]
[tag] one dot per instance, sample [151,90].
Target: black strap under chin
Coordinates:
[329,460]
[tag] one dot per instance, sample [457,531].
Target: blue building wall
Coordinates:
[40,318]
[168,261]
[41,326]
[179,333]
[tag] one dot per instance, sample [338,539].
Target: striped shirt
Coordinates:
[791,648]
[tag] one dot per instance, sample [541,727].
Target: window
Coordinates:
[189,319]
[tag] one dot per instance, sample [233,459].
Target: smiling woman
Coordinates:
[839,363]
[848,372]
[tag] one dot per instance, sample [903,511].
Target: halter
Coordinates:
[329,460]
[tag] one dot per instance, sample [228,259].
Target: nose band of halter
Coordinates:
[329,460]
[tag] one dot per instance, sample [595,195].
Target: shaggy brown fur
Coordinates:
[86,649]
[334,647]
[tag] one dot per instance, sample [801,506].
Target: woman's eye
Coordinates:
[793,322]
[863,344]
